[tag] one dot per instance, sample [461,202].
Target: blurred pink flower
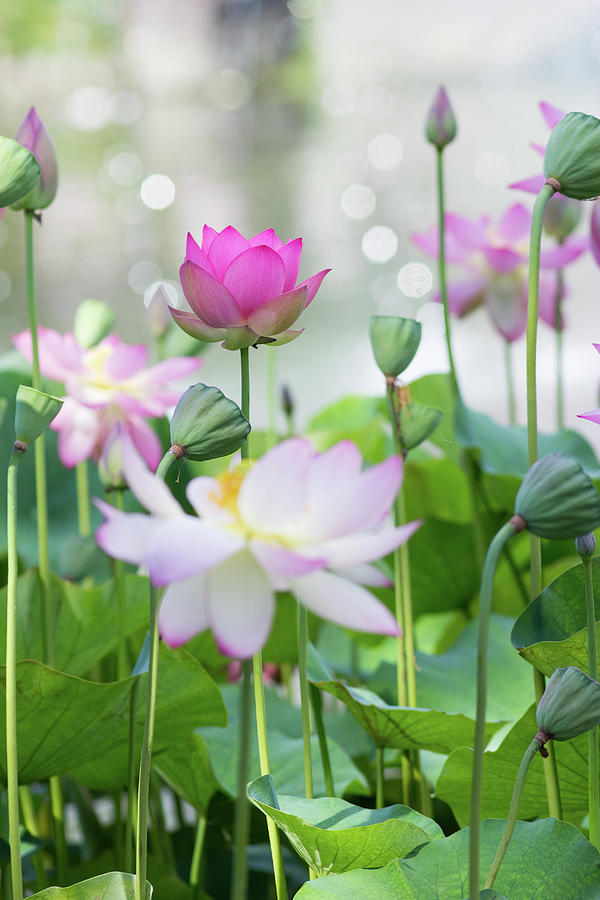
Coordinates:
[533,185]
[594,414]
[106,384]
[243,291]
[595,231]
[295,520]
[494,261]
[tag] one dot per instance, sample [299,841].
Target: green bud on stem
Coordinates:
[35,410]
[569,706]
[207,425]
[395,341]
[19,171]
[572,160]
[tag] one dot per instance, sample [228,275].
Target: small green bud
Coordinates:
[416,422]
[206,424]
[572,157]
[562,215]
[557,498]
[570,704]
[394,341]
[440,125]
[19,171]
[35,410]
[585,545]
[94,319]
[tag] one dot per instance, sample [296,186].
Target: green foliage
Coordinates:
[111,886]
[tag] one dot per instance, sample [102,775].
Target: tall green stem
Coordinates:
[241,825]
[558,326]
[510,384]
[271,397]
[195,867]
[485,609]
[12,770]
[512,813]
[131,820]
[122,657]
[245,404]
[380,778]
[593,760]
[57,807]
[83,499]
[317,707]
[442,267]
[304,698]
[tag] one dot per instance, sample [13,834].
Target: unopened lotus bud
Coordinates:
[416,422]
[94,319]
[440,125]
[570,704]
[110,464]
[207,425]
[33,135]
[395,341]
[572,160]
[562,215]
[557,498]
[586,544]
[34,412]
[157,300]
[287,401]
[19,171]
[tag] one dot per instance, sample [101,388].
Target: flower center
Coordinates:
[228,487]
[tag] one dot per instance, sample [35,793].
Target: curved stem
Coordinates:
[512,813]
[197,854]
[485,609]
[317,707]
[593,760]
[304,699]
[442,269]
[165,464]
[510,384]
[241,824]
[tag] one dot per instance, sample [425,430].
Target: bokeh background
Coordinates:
[307,116]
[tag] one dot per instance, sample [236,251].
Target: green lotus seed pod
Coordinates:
[94,319]
[416,422]
[35,410]
[394,341]
[19,171]
[206,424]
[570,704]
[557,499]
[573,156]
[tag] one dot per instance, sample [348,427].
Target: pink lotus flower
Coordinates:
[105,385]
[295,520]
[533,185]
[33,135]
[243,292]
[494,261]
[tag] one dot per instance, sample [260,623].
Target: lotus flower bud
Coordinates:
[561,216]
[572,157]
[157,300]
[570,704]
[110,464]
[94,319]
[206,424]
[35,410]
[557,498]
[19,171]
[416,422]
[586,544]
[440,125]
[394,341]
[33,135]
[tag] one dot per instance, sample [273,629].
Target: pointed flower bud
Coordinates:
[19,171]
[561,216]
[440,125]
[33,135]
[573,156]
[94,320]
[110,464]
[35,410]
[570,704]
[585,545]
[557,498]
[416,422]
[395,341]
[206,424]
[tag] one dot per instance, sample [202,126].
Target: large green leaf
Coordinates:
[85,620]
[442,571]
[548,859]
[185,766]
[500,769]
[360,419]
[331,835]
[436,488]
[111,886]
[405,728]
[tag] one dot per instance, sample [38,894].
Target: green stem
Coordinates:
[122,655]
[166,463]
[83,499]
[132,764]
[510,384]
[245,404]
[401,688]
[380,778]
[549,762]
[442,269]
[560,390]
[12,768]
[57,805]
[304,698]
[141,844]
[271,398]
[195,867]
[317,707]
[30,822]
[593,760]
[265,769]
[241,824]
[485,609]
[512,813]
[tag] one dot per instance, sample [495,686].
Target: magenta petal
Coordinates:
[253,277]
[313,284]
[539,148]
[184,546]
[548,294]
[532,185]
[594,232]
[60,355]
[515,223]
[562,254]
[593,416]
[268,238]
[208,236]
[228,244]
[240,618]
[464,296]
[281,562]
[290,254]
[209,299]
[183,611]
[552,114]
[145,440]
[502,259]
[469,234]
[345,603]
[278,314]
[195,327]
[196,255]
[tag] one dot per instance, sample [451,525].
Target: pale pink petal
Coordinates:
[60,356]
[562,254]
[464,296]
[429,243]
[241,606]
[253,277]
[594,232]
[183,611]
[355,549]
[502,259]
[335,468]
[548,293]
[198,256]
[78,432]
[151,491]
[195,327]
[596,347]
[278,314]
[593,416]
[124,535]
[144,439]
[185,546]
[290,254]
[208,236]
[209,299]
[275,490]
[469,234]
[313,284]
[225,247]
[539,148]
[268,238]
[344,602]
[506,301]
[203,494]
[364,574]
[515,223]
[170,369]
[552,114]
[532,185]
[282,562]
[124,361]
